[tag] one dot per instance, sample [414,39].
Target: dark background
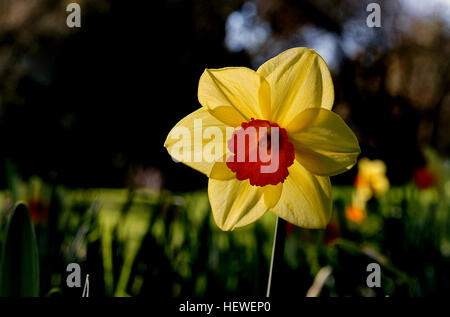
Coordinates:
[89,106]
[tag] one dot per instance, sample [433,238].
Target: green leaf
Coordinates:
[19,267]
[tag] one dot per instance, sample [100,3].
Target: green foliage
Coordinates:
[167,244]
[144,242]
[19,267]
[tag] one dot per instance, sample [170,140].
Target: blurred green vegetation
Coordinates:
[19,265]
[147,242]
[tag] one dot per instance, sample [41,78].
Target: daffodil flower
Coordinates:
[371,178]
[291,94]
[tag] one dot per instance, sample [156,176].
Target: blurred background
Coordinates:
[84,113]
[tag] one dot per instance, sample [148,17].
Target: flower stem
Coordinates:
[276,263]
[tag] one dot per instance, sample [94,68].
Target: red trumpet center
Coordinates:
[262,153]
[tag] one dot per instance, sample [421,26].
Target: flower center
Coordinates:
[262,153]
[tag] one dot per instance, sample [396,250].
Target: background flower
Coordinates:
[371,177]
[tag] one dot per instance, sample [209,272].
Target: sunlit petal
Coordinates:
[235,94]
[235,203]
[306,199]
[299,79]
[323,143]
[221,171]
[272,194]
[187,143]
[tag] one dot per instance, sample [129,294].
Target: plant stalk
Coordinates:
[276,263]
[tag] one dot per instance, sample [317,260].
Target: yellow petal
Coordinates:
[299,79]
[235,203]
[371,167]
[380,185]
[234,94]
[375,174]
[272,194]
[228,115]
[190,143]
[306,199]
[221,171]
[323,143]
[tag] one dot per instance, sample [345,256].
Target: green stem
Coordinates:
[276,263]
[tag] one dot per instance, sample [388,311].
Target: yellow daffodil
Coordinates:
[289,100]
[371,178]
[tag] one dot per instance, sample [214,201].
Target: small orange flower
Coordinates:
[355,214]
